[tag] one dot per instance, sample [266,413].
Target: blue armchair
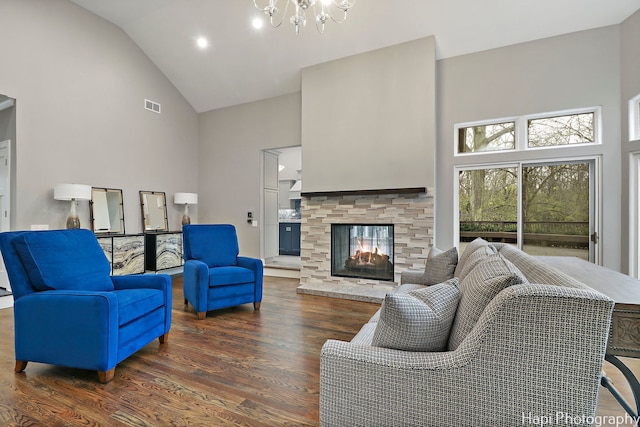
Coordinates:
[214,275]
[70,312]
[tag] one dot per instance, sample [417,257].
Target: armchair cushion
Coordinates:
[419,320]
[478,288]
[64,261]
[440,266]
[230,276]
[215,246]
[135,303]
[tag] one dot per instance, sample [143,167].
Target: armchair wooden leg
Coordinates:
[186,302]
[202,315]
[163,338]
[20,365]
[256,305]
[106,376]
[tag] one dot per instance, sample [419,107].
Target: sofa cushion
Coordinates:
[419,320]
[440,266]
[64,260]
[471,248]
[230,276]
[479,287]
[474,259]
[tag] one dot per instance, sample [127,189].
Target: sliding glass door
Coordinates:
[542,208]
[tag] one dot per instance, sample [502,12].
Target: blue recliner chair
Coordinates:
[214,275]
[70,312]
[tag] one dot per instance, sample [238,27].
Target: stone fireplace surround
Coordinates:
[412,214]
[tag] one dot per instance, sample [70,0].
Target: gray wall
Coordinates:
[629,88]
[79,84]
[231,141]
[572,71]
[368,120]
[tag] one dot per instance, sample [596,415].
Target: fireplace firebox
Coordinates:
[362,251]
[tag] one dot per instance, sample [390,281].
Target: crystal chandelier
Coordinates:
[323,10]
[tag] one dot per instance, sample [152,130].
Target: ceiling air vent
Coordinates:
[151,106]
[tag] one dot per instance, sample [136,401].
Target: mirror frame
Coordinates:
[92,210]
[146,226]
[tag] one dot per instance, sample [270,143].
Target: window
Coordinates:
[561,129]
[492,137]
[542,196]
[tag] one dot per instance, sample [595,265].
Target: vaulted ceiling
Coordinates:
[242,64]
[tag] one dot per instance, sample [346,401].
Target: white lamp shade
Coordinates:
[185,199]
[72,191]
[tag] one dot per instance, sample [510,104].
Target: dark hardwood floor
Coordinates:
[237,367]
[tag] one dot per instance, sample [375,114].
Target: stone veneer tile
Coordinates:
[411,214]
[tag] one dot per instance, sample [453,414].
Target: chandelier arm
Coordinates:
[299,16]
[338,21]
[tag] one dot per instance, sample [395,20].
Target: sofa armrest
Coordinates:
[516,349]
[412,276]
[255,265]
[72,328]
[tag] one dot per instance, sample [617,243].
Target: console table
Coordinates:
[624,335]
[125,253]
[163,249]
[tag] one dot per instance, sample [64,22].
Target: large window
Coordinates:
[542,200]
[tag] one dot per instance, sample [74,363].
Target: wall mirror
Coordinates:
[107,211]
[154,211]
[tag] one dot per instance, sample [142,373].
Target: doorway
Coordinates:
[281,209]
[7,141]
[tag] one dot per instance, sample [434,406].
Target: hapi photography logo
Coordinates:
[565,419]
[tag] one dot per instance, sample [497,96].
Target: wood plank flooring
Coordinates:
[237,367]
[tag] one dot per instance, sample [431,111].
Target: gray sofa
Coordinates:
[535,350]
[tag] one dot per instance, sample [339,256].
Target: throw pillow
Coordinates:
[419,320]
[64,260]
[471,248]
[479,255]
[440,266]
[481,285]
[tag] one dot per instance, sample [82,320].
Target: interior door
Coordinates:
[5,201]
[270,204]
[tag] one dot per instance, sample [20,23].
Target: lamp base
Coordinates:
[186,220]
[73,222]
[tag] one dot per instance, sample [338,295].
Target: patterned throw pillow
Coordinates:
[478,288]
[471,248]
[440,266]
[473,260]
[419,320]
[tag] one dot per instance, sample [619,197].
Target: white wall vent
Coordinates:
[151,106]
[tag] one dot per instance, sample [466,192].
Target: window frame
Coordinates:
[634,118]
[521,131]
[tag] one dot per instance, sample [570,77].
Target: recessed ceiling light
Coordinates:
[202,42]
[257,23]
